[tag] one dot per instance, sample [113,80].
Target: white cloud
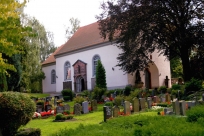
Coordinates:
[55,14]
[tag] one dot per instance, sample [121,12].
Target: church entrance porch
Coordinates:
[80,85]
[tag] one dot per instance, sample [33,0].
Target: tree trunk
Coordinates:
[186,65]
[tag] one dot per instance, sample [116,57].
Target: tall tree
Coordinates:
[100,75]
[140,27]
[75,24]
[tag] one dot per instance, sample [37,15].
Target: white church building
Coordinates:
[73,65]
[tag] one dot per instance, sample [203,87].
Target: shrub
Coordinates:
[162,89]
[40,102]
[29,132]
[79,100]
[66,98]
[195,113]
[100,75]
[98,93]
[16,109]
[127,90]
[193,85]
[109,104]
[176,87]
[67,92]
[67,111]
[118,100]
[59,116]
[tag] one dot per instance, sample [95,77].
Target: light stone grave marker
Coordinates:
[136,105]
[116,110]
[127,108]
[142,103]
[77,109]
[85,107]
[94,105]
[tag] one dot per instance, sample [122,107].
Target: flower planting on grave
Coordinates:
[62,117]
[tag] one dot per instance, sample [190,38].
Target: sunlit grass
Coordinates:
[38,95]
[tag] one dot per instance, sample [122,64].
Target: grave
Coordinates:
[94,105]
[59,109]
[85,107]
[168,98]
[116,110]
[107,112]
[136,105]
[182,105]
[142,103]
[48,107]
[66,107]
[156,99]
[149,102]
[176,107]
[77,109]
[127,108]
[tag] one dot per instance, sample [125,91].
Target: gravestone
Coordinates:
[59,109]
[47,99]
[77,109]
[48,107]
[163,99]
[149,103]
[107,112]
[94,105]
[142,103]
[85,107]
[127,107]
[156,99]
[168,98]
[182,105]
[116,110]
[176,107]
[66,107]
[168,111]
[136,105]
[39,108]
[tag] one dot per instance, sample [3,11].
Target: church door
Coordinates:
[147,79]
[80,84]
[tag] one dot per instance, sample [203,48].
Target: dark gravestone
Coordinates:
[59,109]
[107,112]
[66,107]
[47,99]
[39,108]
[182,105]
[94,105]
[77,109]
[116,110]
[85,107]
[136,105]
[48,107]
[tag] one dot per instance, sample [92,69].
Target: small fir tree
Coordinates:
[100,75]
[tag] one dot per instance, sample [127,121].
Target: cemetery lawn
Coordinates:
[37,95]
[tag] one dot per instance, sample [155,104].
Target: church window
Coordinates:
[67,71]
[95,61]
[53,77]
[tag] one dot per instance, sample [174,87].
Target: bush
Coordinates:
[67,111]
[193,85]
[100,75]
[176,87]
[118,100]
[40,102]
[59,116]
[127,90]
[162,89]
[66,98]
[29,132]
[79,100]
[67,92]
[195,113]
[109,104]
[16,109]
[98,93]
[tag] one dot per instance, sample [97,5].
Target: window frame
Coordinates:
[53,76]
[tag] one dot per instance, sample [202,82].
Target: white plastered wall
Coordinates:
[108,54]
[47,86]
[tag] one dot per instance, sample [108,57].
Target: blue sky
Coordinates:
[55,14]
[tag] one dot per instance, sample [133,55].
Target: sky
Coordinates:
[55,14]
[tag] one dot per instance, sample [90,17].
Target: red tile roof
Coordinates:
[51,58]
[85,36]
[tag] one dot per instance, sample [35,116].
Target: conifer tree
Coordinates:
[100,75]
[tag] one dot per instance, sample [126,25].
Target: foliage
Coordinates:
[68,92]
[98,93]
[146,26]
[40,102]
[137,77]
[175,87]
[29,132]
[176,68]
[16,109]
[193,85]
[79,100]
[75,24]
[109,104]
[3,83]
[195,113]
[118,100]
[100,75]
[60,116]
[162,89]
[127,90]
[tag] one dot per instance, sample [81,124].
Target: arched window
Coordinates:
[53,77]
[67,71]
[95,61]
